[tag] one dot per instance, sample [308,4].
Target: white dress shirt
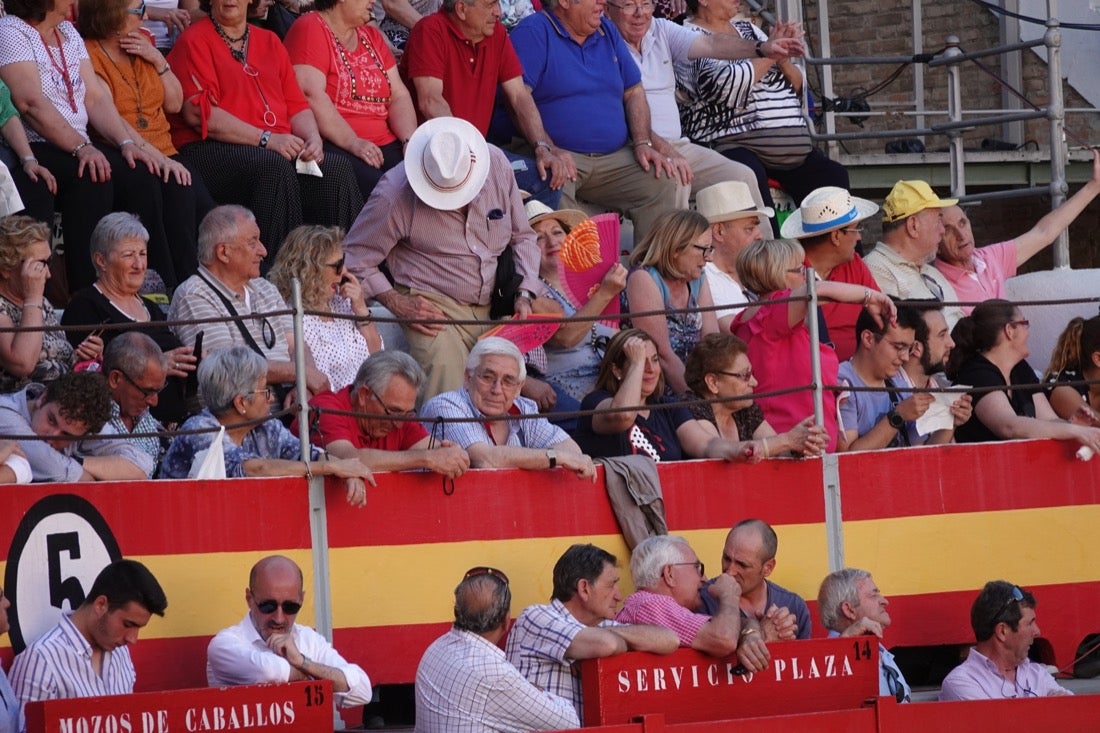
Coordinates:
[239,656]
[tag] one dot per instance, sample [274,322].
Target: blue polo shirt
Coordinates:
[578,87]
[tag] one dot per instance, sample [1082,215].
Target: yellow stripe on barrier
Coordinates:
[961,552]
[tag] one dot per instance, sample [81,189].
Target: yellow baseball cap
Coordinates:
[911,197]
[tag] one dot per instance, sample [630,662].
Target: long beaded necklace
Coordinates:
[230,41]
[342,50]
[142,122]
[62,69]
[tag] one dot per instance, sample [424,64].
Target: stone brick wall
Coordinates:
[884,28]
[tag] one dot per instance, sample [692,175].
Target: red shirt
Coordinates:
[310,43]
[213,78]
[841,317]
[470,71]
[331,428]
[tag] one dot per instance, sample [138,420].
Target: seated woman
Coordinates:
[719,369]
[777,336]
[350,78]
[750,110]
[36,185]
[245,126]
[573,353]
[495,373]
[45,64]
[1076,358]
[630,376]
[667,275]
[315,256]
[143,89]
[32,356]
[233,387]
[991,351]
[119,254]
[399,16]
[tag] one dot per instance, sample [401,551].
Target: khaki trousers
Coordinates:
[443,356]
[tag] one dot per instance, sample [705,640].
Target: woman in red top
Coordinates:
[245,125]
[351,82]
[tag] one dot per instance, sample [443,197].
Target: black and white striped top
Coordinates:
[718,98]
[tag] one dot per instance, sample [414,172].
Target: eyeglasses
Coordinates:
[485,570]
[903,349]
[743,376]
[933,287]
[393,411]
[1016,596]
[800,270]
[631,8]
[490,379]
[1022,322]
[145,391]
[698,565]
[707,251]
[266,392]
[338,265]
[852,230]
[139,11]
[289,607]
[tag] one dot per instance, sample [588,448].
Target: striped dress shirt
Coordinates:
[59,665]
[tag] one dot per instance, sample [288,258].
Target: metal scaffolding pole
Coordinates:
[1056,114]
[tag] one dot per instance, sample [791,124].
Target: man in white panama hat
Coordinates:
[912,227]
[440,220]
[735,221]
[827,227]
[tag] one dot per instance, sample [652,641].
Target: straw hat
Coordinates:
[537,211]
[446,162]
[728,200]
[825,209]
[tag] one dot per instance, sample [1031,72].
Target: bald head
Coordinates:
[274,595]
[481,604]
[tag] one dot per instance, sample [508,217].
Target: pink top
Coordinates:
[356,80]
[993,264]
[780,357]
[644,607]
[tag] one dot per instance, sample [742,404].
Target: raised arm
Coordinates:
[1050,226]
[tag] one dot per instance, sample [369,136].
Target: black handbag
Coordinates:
[506,284]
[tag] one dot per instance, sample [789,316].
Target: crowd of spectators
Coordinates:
[213,142]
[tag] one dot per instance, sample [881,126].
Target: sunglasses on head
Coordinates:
[485,570]
[1015,596]
[289,607]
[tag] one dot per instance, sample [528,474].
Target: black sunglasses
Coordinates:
[289,607]
[1016,596]
[485,570]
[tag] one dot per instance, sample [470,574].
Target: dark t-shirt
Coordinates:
[980,372]
[654,436]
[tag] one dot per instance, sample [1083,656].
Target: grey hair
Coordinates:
[495,346]
[222,223]
[481,603]
[228,374]
[131,352]
[380,367]
[652,555]
[449,5]
[838,588]
[114,228]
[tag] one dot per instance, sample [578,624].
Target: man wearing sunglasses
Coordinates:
[850,605]
[998,668]
[463,682]
[267,646]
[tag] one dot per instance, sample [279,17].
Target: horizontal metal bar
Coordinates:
[981,121]
[861,60]
[995,51]
[871,134]
[1012,193]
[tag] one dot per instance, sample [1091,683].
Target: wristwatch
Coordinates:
[522,293]
[760,49]
[897,422]
[264,138]
[552,456]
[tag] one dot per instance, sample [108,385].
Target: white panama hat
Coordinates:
[825,209]
[729,200]
[446,162]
